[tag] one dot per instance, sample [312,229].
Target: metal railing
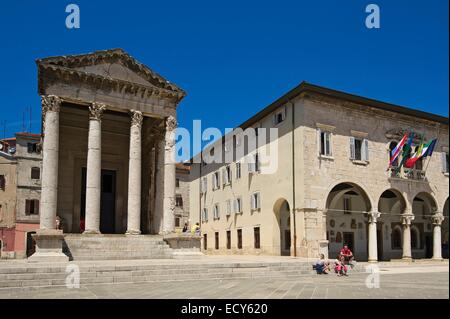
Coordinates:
[407,173]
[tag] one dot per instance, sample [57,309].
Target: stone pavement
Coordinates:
[396,281]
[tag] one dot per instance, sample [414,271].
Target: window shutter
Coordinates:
[444,162]
[352,147]
[251,166]
[253,201]
[36,206]
[235,210]
[365,150]
[319,144]
[330,144]
[27,206]
[224,176]
[258,200]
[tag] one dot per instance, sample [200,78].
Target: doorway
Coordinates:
[379,244]
[31,244]
[107,201]
[349,240]
[428,245]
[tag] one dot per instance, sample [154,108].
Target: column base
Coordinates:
[48,246]
[373,261]
[407,258]
[133,232]
[437,258]
[91,232]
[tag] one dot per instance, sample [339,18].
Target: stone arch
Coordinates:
[346,204]
[398,202]
[430,203]
[282,227]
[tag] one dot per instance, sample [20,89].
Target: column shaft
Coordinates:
[50,157]
[94,169]
[437,220]
[134,175]
[169,177]
[406,221]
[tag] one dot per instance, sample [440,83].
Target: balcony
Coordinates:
[407,173]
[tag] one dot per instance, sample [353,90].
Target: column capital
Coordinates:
[407,219]
[171,123]
[437,219]
[136,118]
[373,216]
[96,111]
[50,103]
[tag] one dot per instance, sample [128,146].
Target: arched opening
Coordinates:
[31,244]
[282,233]
[346,221]
[389,232]
[444,231]
[415,238]
[423,207]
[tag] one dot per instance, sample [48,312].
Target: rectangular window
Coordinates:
[228,207]
[254,164]
[226,175]
[2,182]
[205,242]
[239,238]
[32,148]
[205,214]
[256,201]
[238,170]
[238,205]
[216,211]
[204,185]
[177,182]
[31,207]
[228,239]
[279,117]
[35,173]
[177,222]
[446,162]
[216,237]
[216,180]
[359,149]
[178,201]
[325,143]
[347,205]
[257,238]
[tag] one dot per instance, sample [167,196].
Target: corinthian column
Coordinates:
[49,191]
[373,243]
[406,222]
[169,176]
[94,168]
[134,175]
[437,220]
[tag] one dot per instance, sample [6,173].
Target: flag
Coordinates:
[396,151]
[406,152]
[430,148]
[424,150]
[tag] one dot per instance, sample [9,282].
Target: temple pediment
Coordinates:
[111,69]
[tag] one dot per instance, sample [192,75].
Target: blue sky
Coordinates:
[235,57]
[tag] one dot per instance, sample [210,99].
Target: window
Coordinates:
[33,148]
[178,201]
[227,175]
[279,117]
[35,173]
[347,205]
[216,180]
[228,239]
[257,238]
[237,205]
[255,201]
[205,241]
[239,238]
[396,240]
[177,222]
[216,240]
[238,170]
[31,207]
[2,182]
[445,162]
[204,185]
[228,207]
[254,164]
[325,143]
[216,211]
[177,182]
[205,214]
[1,214]
[359,149]
[392,146]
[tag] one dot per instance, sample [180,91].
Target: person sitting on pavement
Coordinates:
[322,266]
[347,254]
[339,266]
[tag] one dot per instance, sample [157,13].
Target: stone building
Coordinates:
[108,149]
[20,193]
[182,183]
[331,185]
